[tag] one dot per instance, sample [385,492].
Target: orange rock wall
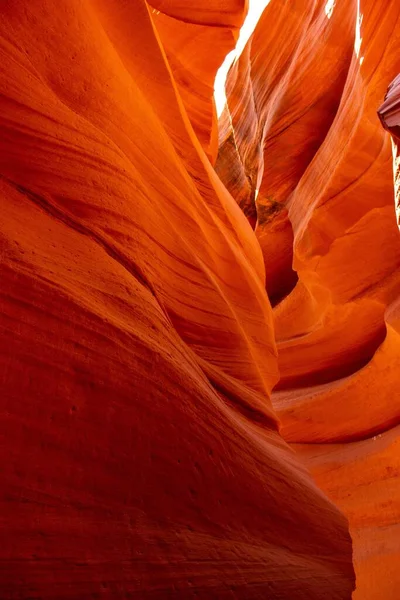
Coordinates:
[141,454]
[311,143]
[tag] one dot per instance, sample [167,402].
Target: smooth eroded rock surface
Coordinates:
[141,453]
[305,155]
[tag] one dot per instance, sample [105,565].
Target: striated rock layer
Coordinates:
[310,159]
[141,454]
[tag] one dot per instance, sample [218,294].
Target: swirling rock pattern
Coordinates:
[302,112]
[141,454]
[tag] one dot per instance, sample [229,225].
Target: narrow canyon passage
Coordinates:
[312,130]
[199,308]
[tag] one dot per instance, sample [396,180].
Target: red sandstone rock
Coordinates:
[196,42]
[310,141]
[141,455]
[362,478]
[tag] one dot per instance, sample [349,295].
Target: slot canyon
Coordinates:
[200,304]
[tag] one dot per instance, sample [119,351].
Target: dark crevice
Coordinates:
[286,285]
[275,234]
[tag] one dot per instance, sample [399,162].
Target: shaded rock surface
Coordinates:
[141,453]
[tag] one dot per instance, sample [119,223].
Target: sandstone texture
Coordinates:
[312,167]
[199,317]
[141,452]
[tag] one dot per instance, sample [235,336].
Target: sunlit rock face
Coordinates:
[142,457]
[301,127]
[196,37]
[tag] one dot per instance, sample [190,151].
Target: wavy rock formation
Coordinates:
[142,457]
[196,37]
[301,131]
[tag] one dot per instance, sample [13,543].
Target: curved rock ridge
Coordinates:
[213,13]
[142,457]
[301,129]
[196,37]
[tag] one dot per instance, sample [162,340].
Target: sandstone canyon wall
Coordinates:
[312,168]
[141,454]
[160,420]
